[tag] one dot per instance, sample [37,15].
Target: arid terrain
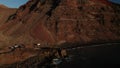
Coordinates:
[5,12]
[54,24]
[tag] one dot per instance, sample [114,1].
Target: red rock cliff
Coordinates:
[54,21]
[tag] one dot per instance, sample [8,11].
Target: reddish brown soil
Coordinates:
[40,32]
[18,55]
[3,6]
[5,12]
[54,21]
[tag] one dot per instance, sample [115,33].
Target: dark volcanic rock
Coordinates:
[57,21]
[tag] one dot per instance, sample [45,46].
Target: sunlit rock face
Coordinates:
[71,21]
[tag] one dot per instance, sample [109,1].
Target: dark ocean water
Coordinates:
[97,57]
[91,57]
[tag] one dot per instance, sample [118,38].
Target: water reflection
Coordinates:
[97,57]
[60,62]
[56,61]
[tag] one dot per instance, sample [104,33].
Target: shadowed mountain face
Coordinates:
[56,21]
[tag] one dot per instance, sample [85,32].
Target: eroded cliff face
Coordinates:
[56,21]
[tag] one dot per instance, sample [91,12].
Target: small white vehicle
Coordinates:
[19,46]
[37,46]
[12,48]
[16,46]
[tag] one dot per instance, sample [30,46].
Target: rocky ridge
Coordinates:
[55,21]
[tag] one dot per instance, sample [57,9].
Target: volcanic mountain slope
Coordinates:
[57,21]
[3,6]
[5,12]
